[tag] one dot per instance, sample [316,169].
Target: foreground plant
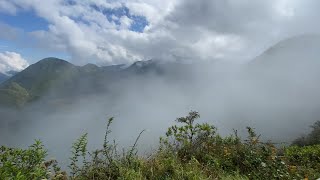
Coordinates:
[25,164]
[189,150]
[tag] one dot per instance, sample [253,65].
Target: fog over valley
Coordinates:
[66,67]
[275,93]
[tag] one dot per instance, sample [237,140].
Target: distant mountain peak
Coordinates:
[300,41]
[53,60]
[51,64]
[295,52]
[142,63]
[150,62]
[90,67]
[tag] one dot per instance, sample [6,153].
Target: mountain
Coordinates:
[144,66]
[7,75]
[288,74]
[13,95]
[55,78]
[295,53]
[169,70]
[38,79]
[3,77]
[44,75]
[289,63]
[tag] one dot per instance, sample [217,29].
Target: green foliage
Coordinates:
[304,160]
[189,139]
[14,95]
[200,142]
[312,138]
[106,163]
[25,164]
[79,149]
[190,150]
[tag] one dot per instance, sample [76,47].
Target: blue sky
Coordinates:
[139,22]
[27,21]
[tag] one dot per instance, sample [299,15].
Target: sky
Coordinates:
[107,32]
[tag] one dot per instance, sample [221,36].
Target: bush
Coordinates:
[27,164]
[304,160]
[200,142]
[189,150]
[312,138]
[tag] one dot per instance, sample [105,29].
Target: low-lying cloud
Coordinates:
[281,102]
[11,61]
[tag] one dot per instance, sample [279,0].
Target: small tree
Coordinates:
[189,139]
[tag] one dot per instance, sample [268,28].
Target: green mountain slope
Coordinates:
[47,75]
[44,75]
[14,95]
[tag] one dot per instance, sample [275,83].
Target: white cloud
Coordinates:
[125,22]
[6,6]
[188,29]
[12,61]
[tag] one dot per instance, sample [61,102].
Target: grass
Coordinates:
[187,151]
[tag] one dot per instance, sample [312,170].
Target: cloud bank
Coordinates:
[114,32]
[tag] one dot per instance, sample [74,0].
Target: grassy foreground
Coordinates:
[187,151]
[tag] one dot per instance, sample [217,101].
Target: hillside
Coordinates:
[290,67]
[3,77]
[284,67]
[43,75]
[299,52]
[288,72]
[58,79]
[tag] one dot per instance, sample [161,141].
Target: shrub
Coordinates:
[251,158]
[189,150]
[304,160]
[25,164]
[312,138]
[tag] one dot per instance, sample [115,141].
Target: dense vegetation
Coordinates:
[188,150]
[312,138]
[14,96]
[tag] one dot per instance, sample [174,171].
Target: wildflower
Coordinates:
[292,168]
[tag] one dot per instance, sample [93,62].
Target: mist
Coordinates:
[279,99]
